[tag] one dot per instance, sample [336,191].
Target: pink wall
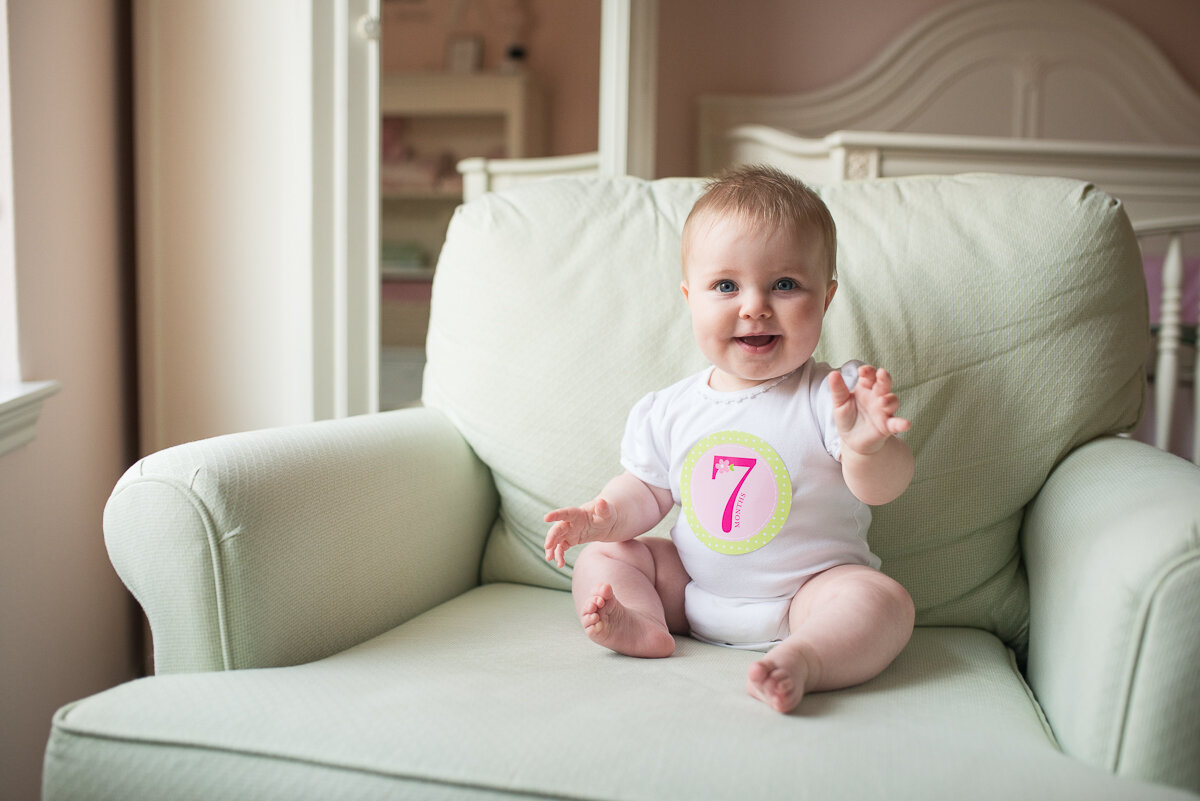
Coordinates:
[66,622]
[791,46]
[562,41]
[715,46]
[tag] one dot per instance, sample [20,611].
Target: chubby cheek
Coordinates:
[707,335]
[702,334]
[697,314]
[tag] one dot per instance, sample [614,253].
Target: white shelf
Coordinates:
[406,273]
[516,98]
[422,193]
[465,116]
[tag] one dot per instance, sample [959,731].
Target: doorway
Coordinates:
[462,79]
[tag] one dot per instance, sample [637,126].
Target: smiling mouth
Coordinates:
[759,341]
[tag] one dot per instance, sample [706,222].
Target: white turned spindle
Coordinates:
[1166,374]
[1196,390]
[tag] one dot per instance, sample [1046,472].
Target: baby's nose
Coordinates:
[754,305]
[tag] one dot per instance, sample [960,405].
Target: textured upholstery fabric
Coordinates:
[225,534]
[314,591]
[1114,567]
[561,302]
[1010,344]
[497,693]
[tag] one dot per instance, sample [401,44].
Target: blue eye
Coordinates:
[786,285]
[725,286]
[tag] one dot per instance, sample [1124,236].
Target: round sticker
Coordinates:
[735,491]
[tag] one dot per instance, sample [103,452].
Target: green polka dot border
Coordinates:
[783,484]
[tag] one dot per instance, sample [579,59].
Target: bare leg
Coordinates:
[629,595]
[847,625]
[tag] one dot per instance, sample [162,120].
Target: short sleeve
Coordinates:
[823,404]
[643,450]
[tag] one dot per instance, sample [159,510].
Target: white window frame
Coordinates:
[20,401]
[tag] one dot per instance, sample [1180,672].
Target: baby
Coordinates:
[773,458]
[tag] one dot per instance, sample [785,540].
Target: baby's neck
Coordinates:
[719,381]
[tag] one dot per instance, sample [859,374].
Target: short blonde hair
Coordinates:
[765,196]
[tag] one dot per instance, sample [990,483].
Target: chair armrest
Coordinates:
[282,546]
[1112,549]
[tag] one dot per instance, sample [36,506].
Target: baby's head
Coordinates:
[759,251]
[768,200]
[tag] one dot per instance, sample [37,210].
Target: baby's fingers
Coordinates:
[883,382]
[883,410]
[557,515]
[838,389]
[887,404]
[556,544]
[867,375]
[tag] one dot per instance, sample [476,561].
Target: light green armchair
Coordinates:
[360,608]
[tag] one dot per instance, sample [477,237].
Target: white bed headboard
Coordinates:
[1027,69]
[1036,87]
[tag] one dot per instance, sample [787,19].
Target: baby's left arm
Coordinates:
[877,466]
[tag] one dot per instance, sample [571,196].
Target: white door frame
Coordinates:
[345,226]
[628,86]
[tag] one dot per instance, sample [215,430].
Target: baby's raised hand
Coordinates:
[576,525]
[866,417]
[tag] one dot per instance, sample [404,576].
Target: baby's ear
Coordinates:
[829,293]
[684,287]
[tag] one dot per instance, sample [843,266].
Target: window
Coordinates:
[20,401]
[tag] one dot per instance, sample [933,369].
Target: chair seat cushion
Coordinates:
[498,693]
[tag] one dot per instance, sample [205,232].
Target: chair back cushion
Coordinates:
[1011,311]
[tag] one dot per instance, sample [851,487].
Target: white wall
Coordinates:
[66,624]
[257,214]
[223,184]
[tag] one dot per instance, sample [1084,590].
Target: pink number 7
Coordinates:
[732,461]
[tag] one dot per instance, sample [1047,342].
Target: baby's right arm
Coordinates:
[627,507]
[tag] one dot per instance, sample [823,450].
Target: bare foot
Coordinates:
[610,623]
[779,679]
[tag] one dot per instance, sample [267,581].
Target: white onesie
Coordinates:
[763,503]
